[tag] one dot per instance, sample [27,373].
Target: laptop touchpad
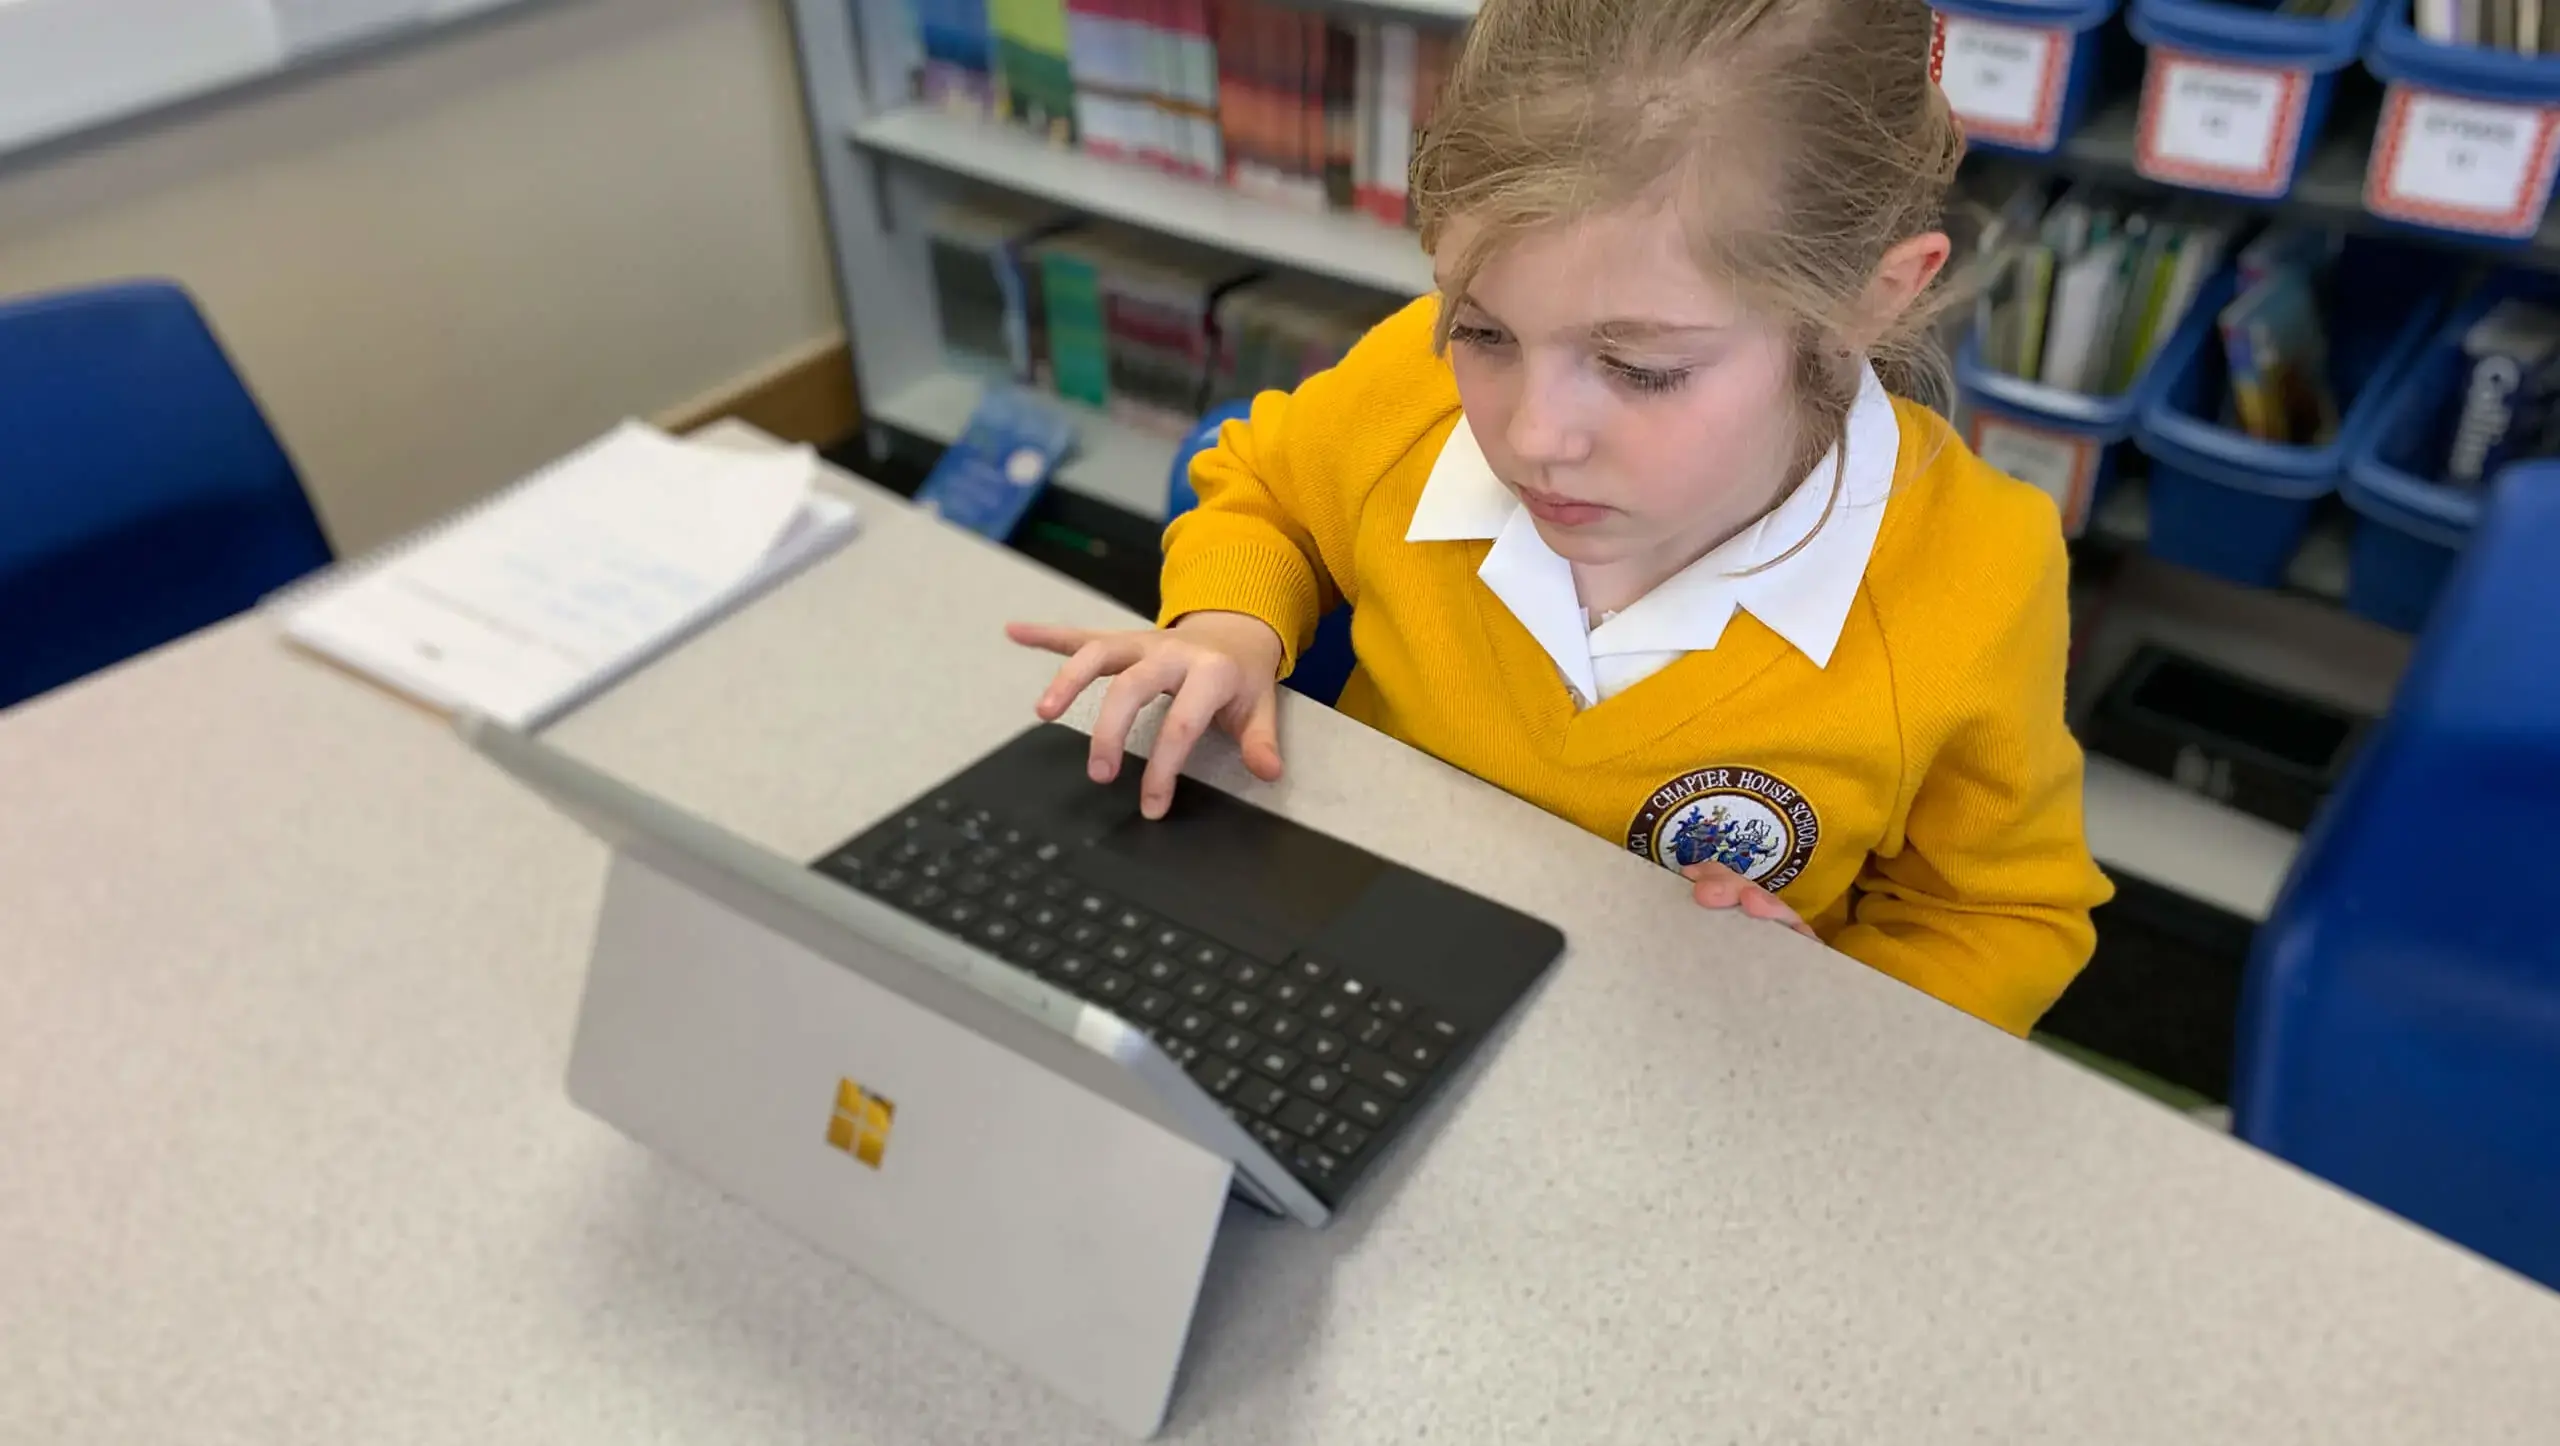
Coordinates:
[1214,856]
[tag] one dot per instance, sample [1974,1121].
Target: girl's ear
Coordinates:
[1907,269]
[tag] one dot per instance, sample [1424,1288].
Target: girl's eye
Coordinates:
[1647,380]
[1479,336]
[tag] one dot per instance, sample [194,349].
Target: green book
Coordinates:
[1035,82]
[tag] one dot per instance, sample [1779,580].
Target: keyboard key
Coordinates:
[1246,974]
[1344,1139]
[1198,988]
[1239,1008]
[1012,901]
[1073,968]
[1048,853]
[1193,1022]
[936,871]
[1111,985]
[1373,1031]
[1183,1051]
[1012,837]
[1168,939]
[996,931]
[984,856]
[1315,1164]
[1304,1118]
[1217,1076]
[1205,955]
[1354,989]
[1131,921]
[1276,1062]
[1151,1004]
[1084,933]
[943,805]
[1031,951]
[1314,971]
[1093,904]
[1288,993]
[958,914]
[1392,1007]
[1440,1031]
[1330,1010]
[1124,952]
[1057,886]
[1234,1043]
[1410,1049]
[1283,1028]
[889,881]
[1275,1139]
[1020,871]
[1358,1104]
[1319,1083]
[925,896]
[1260,1096]
[1379,1071]
[1161,969]
[1326,1048]
[1047,918]
[908,850]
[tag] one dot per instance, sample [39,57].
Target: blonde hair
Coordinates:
[1798,141]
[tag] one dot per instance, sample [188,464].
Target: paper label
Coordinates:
[2470,165]
[2222,127]
[2005,82]
[2064,466]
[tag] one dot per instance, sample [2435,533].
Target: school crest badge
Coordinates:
[1754,823]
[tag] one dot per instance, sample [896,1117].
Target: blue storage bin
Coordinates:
[2478,86]
[2021,37]
[2067,442]
[2284,67]
[2410,527]
[2224,502]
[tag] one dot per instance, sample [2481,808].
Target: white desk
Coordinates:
[288,977]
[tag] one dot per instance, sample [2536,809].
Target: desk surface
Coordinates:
[289,978]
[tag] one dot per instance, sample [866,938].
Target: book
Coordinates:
[2509,405]
[533,602]
[1390,124]
[2278,361]
[1035,78]
[986,291]
[1130,317]
[2087,297]
[1275,331]
[956,71]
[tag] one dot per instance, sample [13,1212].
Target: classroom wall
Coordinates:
[442,264]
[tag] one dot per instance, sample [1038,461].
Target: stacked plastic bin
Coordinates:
[2019,73]
[2232,505]
[2411,527]
[2067,442]
[2233,97]
[2469,136]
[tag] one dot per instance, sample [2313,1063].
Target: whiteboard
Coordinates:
[68,65]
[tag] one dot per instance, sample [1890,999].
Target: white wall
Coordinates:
[439,266]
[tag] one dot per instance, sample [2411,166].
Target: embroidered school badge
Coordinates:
[1751,822]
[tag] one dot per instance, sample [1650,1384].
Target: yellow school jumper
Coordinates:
[1871,728]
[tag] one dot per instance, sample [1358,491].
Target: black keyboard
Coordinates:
[1312,1059]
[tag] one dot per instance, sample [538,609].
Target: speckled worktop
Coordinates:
[287,979]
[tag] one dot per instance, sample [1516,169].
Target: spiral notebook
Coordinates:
[537,600]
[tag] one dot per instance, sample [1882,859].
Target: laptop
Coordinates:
[1317,993]
[1286,1000]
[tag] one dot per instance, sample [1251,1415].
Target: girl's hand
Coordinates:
[1718,887]
[1220,668]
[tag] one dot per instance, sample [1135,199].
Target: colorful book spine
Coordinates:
[1035,79]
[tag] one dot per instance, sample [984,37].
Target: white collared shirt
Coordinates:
[1804,599]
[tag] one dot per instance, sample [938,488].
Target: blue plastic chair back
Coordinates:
[1324,667]
[142,495]
[2400,1024]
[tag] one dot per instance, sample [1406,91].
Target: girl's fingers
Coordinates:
[1194,708]
[1136,687]
[1260,737]
[1100,655]
[1718,887]
[1049,638]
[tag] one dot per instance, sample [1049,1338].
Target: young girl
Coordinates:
[1630,519]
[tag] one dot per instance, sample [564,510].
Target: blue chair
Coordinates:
[1326,665]
[2400,1021]
[142,495]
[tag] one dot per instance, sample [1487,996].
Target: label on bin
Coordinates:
[2221,127]
[2005,82]
[2066,467]
[2467,165]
